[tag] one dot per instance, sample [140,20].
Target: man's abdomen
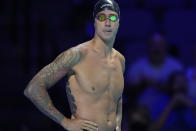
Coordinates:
[101,111]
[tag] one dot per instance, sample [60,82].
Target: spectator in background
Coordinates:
[191,76]
[152,70]
[180,112]
[138,119]
[157,66]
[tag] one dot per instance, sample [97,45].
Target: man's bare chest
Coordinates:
[97,75]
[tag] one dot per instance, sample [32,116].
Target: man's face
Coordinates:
[106,29]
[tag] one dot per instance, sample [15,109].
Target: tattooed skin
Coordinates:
[71,100]
[36,90]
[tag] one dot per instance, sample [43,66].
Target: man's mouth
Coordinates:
[107,31]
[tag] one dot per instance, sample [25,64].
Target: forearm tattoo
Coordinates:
[36,90]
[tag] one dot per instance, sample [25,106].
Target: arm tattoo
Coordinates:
[41,99]
[58,68]
[71,100]
[36,90]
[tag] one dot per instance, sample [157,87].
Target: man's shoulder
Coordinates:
[122,58]
[80,48]
[73,55]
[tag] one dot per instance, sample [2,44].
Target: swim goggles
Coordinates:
[103,17]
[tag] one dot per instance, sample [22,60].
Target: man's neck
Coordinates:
[104,47]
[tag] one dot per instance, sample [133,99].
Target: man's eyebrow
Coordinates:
[113,14]
[101,14]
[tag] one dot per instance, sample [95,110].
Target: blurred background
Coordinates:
[157,38]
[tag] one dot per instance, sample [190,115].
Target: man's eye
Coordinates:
[113,18]
[102,17]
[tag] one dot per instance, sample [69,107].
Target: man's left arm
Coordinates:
[119,115]
[119,105]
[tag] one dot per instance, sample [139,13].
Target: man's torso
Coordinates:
[95,88]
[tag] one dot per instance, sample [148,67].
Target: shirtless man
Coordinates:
[95,71]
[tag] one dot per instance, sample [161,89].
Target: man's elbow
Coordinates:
[28,91]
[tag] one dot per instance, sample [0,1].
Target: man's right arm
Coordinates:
[36,90]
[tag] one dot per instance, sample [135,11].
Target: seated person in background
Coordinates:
[157,66]
[191,76]
[180,112]
[154,69]
[138,119]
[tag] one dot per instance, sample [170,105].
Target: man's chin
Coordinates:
[107,37]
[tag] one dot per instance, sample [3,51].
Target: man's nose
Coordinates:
[107,22]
